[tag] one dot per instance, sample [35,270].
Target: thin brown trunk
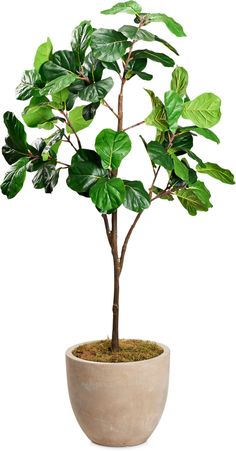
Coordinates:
[114,244]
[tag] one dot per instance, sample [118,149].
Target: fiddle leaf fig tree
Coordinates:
[64,92]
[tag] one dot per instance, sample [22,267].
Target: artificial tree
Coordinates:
[61,78]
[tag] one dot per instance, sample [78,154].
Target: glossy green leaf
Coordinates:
[196,198]
[49,71]
[158,117]
[111,66]
[130,7]
[183,142]
[17,139]
[180,169]
[166,44]
[109,45]
[93,68]
[154,56]
[144,76]
[171,24]
[90,110]
[158,155]
[14,178]
[85,171]
[136,33]
[96,91]
[108,194]
[81,38]
[179,81]
[43,54]
[112,147]
[59,84]
[136,197]
[195,157]
[77,120]
[205,132]
[29,85]
[160,192]
[65,59]
[46,177]
[215,171]
[174,108]
[38,112]
[53,142]
[204,111]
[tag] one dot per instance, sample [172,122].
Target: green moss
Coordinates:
[130,351]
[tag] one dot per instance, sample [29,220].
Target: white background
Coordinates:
[178,285]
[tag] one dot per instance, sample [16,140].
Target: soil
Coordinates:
[130,351]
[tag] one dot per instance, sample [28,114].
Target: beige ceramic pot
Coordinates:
[118,404]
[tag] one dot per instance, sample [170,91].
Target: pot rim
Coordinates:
[138,362]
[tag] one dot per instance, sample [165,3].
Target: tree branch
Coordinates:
[110,108]
[133,126]
[107,227]
[72,128]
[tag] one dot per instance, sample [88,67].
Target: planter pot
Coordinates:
[118,404]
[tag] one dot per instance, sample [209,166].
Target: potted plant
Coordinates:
[117,388]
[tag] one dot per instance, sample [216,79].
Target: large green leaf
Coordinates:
[50,70]
[77,120]
[59,84]
[136,33]
[180,169]
[174,108]
[215,171]
[205,132]
[85,171]
[129,7]
[93,68]
[43,54]
[46,177]
[37,112]
[196,198]
[154,56]
[158,117]
[89,111]
[109,45]
[159,156]
[166,44]
[96,91]
[16,131]
[136,197]
[183,142]
[65,59]
[171,24]
[204,111]
[179,82]
[14,178]
[108,194]
[29,85]
[112,147]
[112,66]
[81,38]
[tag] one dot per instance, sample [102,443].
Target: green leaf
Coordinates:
[108,194]
[196,198]
[29,85]
[129,7]
[159,156]
[159,191]
[195,157]
[49,71]
[174,108]
[136,34]
[136,197]
[208,134]
[81,38]
[183,142]
[43,54]
[204,111]
[179,82]
[96,91]
[111,66]
[215,171]
[46,177]
[65,59]
[89,111]
[144,75]
[57,85]
[180,169]
[109,45]
[112,147]
[85,171]
[77,120]
[17,139]
[93,68]
[158,117]
[154,56]
[166,44]
[171,24]
[53,143]
[37,112]
[14,178]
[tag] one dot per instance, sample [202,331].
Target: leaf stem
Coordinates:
[71,127]
[133,126]
[110,108]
